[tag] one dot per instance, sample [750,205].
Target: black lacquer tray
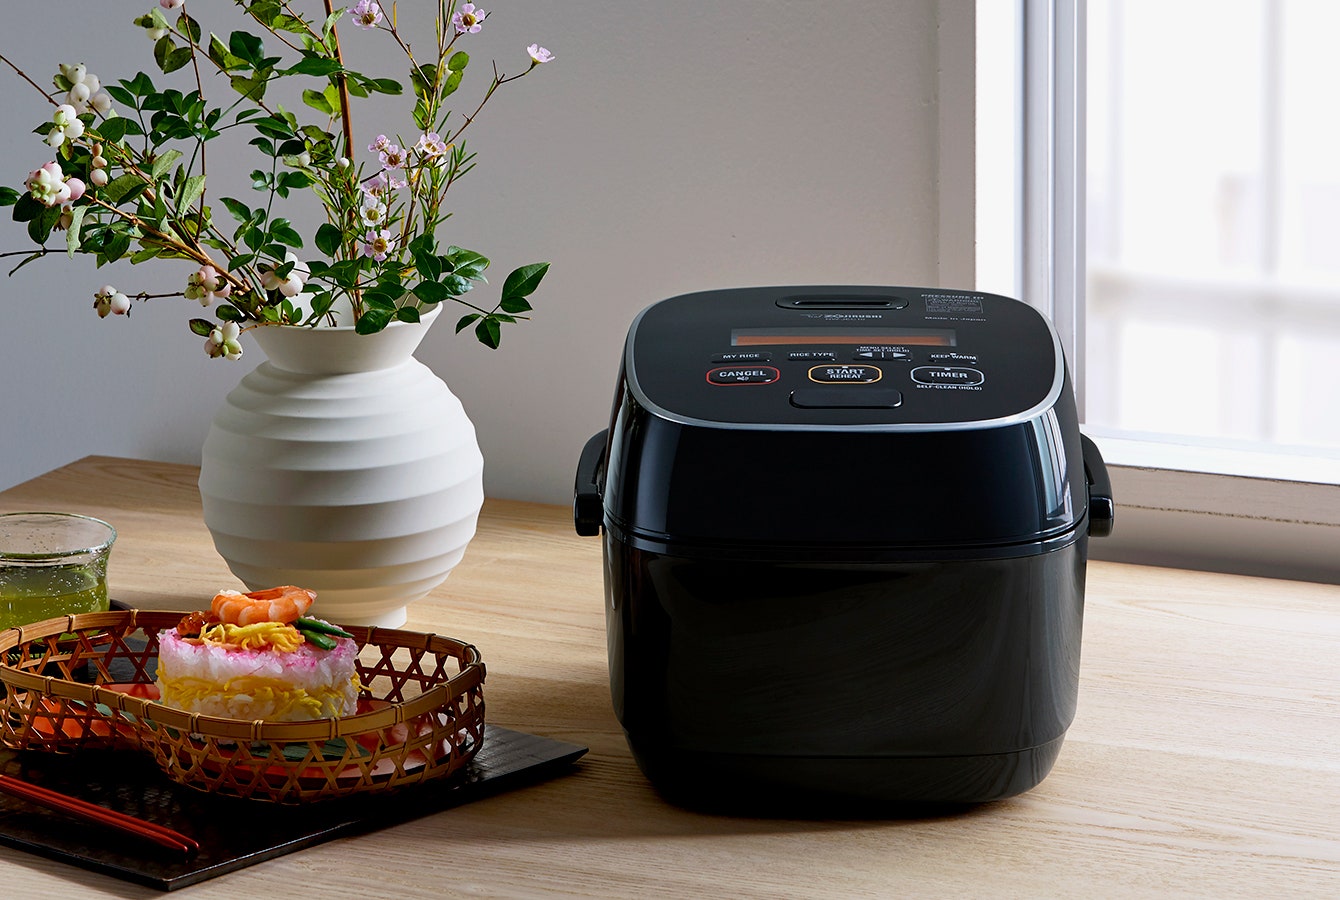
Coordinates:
[236,833]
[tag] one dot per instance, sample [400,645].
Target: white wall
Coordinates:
[669,148]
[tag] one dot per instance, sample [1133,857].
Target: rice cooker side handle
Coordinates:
[588,503]
[1102,511]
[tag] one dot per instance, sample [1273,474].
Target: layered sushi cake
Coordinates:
[259,656]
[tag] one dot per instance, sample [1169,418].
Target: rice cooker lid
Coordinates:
[857,417]
[883,358]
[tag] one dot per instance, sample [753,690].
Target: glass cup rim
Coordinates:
[55,555]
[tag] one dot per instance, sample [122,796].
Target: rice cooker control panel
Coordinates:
[844,356]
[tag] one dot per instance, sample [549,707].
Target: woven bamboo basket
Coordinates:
[86,682]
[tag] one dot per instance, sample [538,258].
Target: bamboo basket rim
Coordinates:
[471,675]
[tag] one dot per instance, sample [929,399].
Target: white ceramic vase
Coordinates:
[344,465]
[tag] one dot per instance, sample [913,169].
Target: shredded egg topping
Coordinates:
[260,636]
[278,697]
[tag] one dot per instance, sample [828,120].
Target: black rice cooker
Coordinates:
[845,532]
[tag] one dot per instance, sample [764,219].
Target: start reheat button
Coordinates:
[845,374]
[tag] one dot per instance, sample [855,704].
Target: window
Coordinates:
[1191,275]
[1213,247]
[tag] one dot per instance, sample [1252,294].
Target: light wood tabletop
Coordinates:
[1204,760]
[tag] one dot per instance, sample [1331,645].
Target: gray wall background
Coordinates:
[669,148]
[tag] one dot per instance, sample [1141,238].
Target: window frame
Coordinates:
[1181,502]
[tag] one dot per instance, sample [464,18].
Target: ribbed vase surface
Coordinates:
[344,465]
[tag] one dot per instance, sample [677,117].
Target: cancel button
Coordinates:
[845,374]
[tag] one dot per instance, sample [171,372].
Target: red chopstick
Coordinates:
[173,840]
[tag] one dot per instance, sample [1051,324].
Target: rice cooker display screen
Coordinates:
[925,337]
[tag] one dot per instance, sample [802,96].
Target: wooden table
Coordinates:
[1204,760]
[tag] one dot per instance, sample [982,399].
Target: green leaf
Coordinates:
[523,281]
[313,65]
[385,86]
[111,130]
[177,59]
[72,232]
[328,239]
[295,180]
[274,127]
[373,320]
[514,305]
[451,82]
[8,196]
[240,210]
[221,56]
[407,314]
[246,46]
[140,85]
[431,291]
[466,263]
[333,97]
[169,56]
[229,313]
[201,327]
[122,188]
[191,191]
[285,235]
[162,163]
[240,260]
[317,101]
[459,60]
[422,79]
[466,321]
[489,332]
[27,208]
[251,88]
[457,285]
[380,300]
[428,265]
[120,95]
[189,27]
[115,248]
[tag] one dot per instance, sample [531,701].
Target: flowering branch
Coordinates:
[115,200]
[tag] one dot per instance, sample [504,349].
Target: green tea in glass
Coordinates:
[52,564]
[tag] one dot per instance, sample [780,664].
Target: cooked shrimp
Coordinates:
[276,604]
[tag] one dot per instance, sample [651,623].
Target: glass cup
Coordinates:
[52,564]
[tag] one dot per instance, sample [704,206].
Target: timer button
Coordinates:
[947,375]
[743,375]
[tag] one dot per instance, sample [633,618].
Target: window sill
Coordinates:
[1222,508]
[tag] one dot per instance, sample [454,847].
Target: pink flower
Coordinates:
[76,186]
[377,244]
[171,4]
[538,54]
[366,14]
[392,157]
[372,211]
[431,145]
[382,182]
[380,144]
[469,19]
